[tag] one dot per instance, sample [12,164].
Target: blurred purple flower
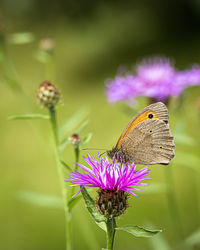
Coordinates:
[109,176]
[155,78]
[123,88]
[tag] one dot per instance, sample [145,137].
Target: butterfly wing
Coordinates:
[149,142]
[157,110]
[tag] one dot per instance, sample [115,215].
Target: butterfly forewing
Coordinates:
[147,138]
[150,142]
[154,111]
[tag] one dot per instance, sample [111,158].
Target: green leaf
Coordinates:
[63,144]
[74,201]
[154,188]
[21,38]
[90,205]
[28,116]
[42,56]
[85,140]
[39,199]
[184,139]
[72,122]
[158,242]
[138,231]
[65,165]
[187,159]
[82,126]
[194,238]
[180,135]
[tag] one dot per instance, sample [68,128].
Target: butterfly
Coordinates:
[147,138]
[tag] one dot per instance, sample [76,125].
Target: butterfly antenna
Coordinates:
[102,153]
[94,149]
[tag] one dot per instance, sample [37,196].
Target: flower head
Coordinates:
[75,139]
[114,181]
[123,88]
[155,78]
[47,94]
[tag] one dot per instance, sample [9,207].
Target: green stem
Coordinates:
[77,153]
[110,225]
[173,208]
[53,121]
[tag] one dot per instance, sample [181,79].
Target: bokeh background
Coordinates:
[92,40]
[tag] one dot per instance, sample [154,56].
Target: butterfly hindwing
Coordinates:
[149,142]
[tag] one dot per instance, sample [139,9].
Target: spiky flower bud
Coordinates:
[75,139]
[111,203]
[47,94]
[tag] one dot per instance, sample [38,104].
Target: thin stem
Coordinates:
[110,234]
[77,153]
[53,121]
[173,208]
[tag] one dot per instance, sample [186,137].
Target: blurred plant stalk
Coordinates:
[8,70]
[64,190]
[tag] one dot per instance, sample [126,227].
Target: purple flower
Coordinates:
[123,88]
[155,78]
[109,176]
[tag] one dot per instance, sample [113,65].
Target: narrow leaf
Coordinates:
[187,159]
[28,116]
[72,122]
[154,188]
[21,38]
[65,165]
[194,238]
[90,205]
[138,231]
[159,242]
[74,201]
[64,143]
[85,140]
[82,126]
[39,199]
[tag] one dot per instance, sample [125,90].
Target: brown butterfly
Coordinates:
[147,138]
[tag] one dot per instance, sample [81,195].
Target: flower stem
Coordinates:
[173,208]
[53,121]
[110,225]
[77,153]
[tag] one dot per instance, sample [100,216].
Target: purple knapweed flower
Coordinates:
[114,180]
[109,176]
[155,78]
[123,88]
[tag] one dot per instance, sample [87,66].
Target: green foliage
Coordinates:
[66,165]
[85,140]
[28,116]
[72,122]
[91,207]
[41,200]
[193,239]
[72,202]
[21,38]
[138,231]
[159,242]
[187,159]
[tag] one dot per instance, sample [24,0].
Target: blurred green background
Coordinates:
[92,39]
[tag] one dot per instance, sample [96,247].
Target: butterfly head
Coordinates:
[118,154]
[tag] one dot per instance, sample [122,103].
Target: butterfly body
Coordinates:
[147,138]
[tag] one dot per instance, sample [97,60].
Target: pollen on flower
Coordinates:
[47,94]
